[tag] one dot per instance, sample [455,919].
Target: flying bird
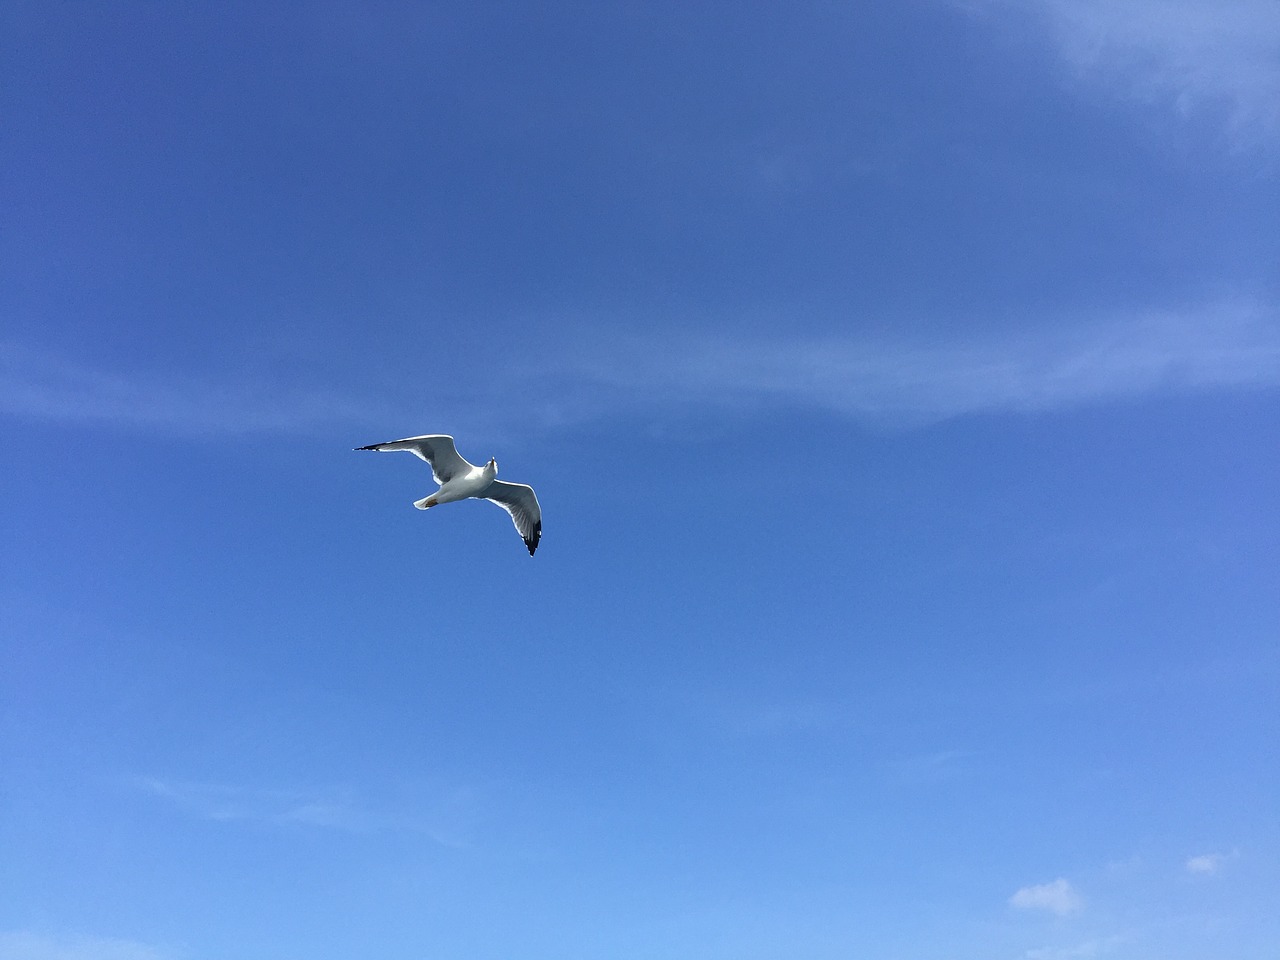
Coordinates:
[459,480]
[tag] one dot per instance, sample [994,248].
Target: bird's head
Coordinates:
[493,466]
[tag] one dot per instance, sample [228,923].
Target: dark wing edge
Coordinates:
[436,449]
[519,500]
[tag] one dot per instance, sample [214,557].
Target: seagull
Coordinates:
[459,480]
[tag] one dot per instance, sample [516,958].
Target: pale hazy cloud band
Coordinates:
[905,381]
[438,813]
[38,385]
[29,945]
[894,381]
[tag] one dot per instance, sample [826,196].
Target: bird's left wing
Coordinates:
[519,500]
[437,449]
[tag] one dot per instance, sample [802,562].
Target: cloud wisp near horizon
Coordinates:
[438,817]
[906,382]
[883,380]
[40,385]
[30,945]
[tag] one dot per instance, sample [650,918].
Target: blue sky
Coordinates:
[899,382]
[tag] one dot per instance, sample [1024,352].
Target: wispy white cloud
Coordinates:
[439,817]
[26,945]
[1220,56]
[1207,863]
[904,381]
[1081,951]
[212,801]
[40,386]
[1057,897]
[1053,363]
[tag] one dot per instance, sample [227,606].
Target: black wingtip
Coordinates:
[372,446]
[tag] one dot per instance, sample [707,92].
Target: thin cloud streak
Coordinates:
[329,810]
[1089,948]
[26,945]
[888,382]
[223,802]
[901,383]
[38,386]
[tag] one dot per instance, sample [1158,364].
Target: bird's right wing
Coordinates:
[437,449]
[519,500]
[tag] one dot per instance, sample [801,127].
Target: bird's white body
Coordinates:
[473,483]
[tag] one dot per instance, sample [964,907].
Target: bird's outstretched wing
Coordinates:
[519,500]
[437,449]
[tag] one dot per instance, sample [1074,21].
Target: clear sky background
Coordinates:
[899,381]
